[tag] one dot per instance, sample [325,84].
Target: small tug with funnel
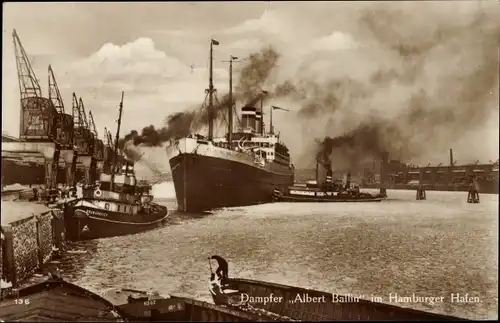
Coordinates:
[324,189]
[116,205]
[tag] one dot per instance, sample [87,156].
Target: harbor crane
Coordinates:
[83,114]
[109,155]
[109,138]
[98,143]
[92,124]
[83,136]
[64,122]
[37,113]
[38,120]
[80,125]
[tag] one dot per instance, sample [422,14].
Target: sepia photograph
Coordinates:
[250,161]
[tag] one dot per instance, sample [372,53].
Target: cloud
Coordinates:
[155,83]
[270,22]
[335,41]
[137,58]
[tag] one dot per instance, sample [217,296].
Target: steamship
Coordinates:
[326,189]
[243,168]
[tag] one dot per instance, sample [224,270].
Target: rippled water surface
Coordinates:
[431,248]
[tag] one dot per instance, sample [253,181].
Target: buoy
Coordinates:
[98,193]
[421,195]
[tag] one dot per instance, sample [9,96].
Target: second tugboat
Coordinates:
[324,189]
[115,206]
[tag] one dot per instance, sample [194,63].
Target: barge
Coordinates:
[152,307]
[56,300]
[310,305]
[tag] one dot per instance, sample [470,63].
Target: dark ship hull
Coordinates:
[205,183]
[310,305]
[85,222]
[57,300]
[208,177]
[146,307]
[488,186]
[330,199]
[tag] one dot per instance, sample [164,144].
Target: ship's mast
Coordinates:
[271,130]
[211,92]
[264,93]
[230,106]
[115,155]
[317,171]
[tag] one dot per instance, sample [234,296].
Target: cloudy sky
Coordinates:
[158,54]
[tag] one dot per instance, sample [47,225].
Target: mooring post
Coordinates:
[473,194]
[421,195]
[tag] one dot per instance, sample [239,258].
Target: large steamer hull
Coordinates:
[209,177]
[488,187]
[204,183]
[85,223]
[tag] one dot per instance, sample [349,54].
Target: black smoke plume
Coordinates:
[254,72]
[425,85]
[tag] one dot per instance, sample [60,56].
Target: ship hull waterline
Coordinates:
[203,183]
[87,223]
[345,199]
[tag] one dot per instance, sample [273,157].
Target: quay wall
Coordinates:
[29,242]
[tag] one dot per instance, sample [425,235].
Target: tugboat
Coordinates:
[326,190]
[144,191]
[116,205]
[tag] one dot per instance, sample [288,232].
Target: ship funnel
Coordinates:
[323,173]
[258,121]
[248,116]
[451,157]
[383,173]
[329,173]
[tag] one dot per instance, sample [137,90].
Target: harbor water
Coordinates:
[439,247]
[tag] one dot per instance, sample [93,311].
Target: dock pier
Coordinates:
[31,234]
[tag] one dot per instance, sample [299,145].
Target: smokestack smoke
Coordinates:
[408,86]
[428,84]
[254,73]
[134,155]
